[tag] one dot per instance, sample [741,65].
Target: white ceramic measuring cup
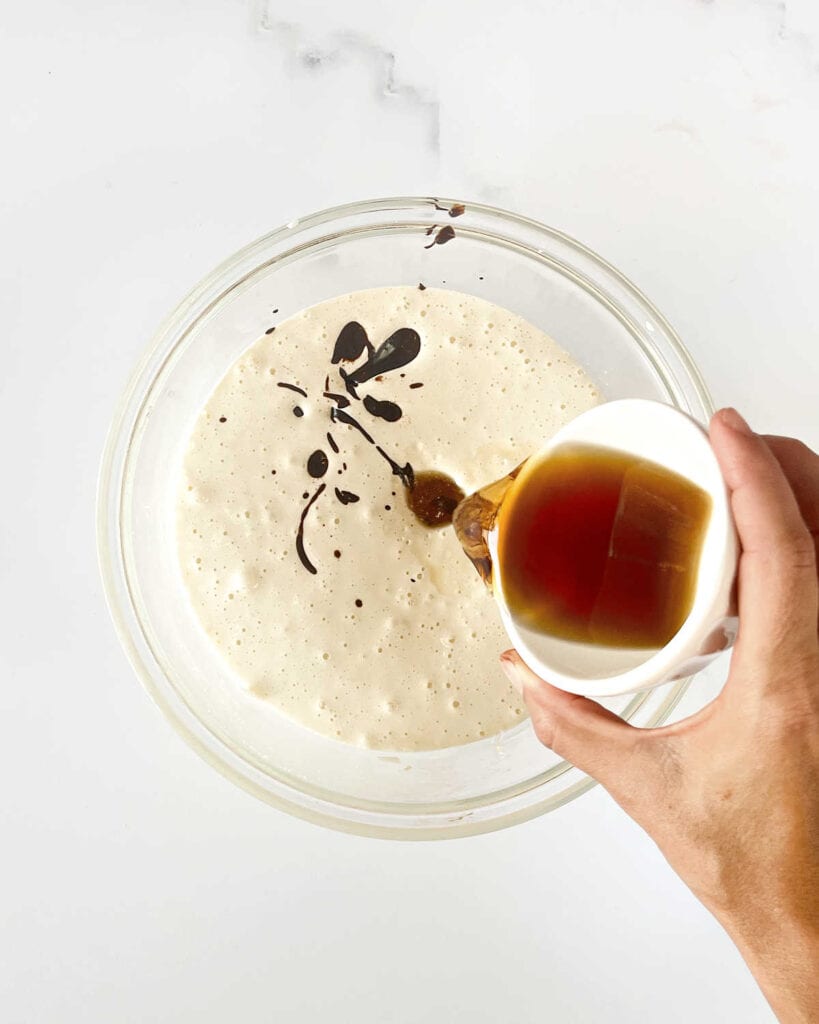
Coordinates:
[672,439]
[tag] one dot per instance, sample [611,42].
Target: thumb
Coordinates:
[583,732]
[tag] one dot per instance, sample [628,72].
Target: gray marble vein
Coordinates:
[344,47]
[777,14]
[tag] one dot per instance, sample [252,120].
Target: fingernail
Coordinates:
[731,418]
[511,668]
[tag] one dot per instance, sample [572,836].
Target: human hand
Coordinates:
[731,795]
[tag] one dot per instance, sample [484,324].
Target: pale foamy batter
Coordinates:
[393,642]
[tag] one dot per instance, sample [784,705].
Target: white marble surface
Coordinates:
[146,141]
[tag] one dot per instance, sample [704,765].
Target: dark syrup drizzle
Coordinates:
[317,464]
[388,411]
[444,235]
[346,497]
[398,350]
[430,496]
[305,561]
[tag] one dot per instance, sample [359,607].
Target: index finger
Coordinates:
[778,590]
[801,468]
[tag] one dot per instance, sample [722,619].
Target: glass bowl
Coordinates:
[562,287]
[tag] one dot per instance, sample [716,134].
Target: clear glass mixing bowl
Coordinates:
[559,285]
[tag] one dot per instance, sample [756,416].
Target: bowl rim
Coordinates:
[209,291]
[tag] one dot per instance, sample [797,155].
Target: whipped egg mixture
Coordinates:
[306,567]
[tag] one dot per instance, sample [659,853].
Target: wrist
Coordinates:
[781,950]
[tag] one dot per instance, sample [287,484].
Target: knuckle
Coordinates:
[799,449]
[544,726]
[795,549]
[802,549]
[791,448]
[554,735]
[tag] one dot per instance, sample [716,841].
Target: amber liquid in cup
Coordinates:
[599,546]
